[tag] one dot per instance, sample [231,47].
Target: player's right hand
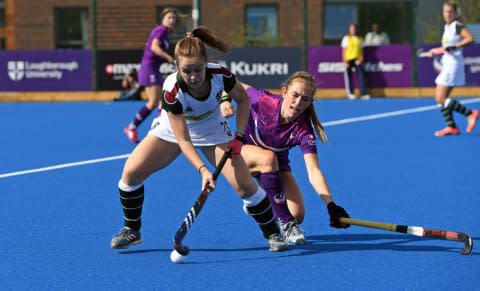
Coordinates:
[335,211]
[227,109]
[436,52]
[207,179]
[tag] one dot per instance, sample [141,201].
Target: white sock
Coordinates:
[127,188]
[256,198]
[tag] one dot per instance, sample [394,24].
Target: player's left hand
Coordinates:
[227,109]
[236,144]
[335,213]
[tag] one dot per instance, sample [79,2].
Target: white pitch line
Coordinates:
[326,124]
[61,166]
[389,114]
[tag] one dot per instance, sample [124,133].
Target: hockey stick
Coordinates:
[430,53]
[416,231]
[195,210]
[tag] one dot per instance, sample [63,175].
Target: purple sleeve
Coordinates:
[254,94]
[307,140]
[161,34]
[308,144]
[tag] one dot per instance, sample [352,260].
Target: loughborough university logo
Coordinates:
[16,70]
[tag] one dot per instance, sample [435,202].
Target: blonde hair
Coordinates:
[193,44]
[308,79]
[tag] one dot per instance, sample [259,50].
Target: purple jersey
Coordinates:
[265,129]
[149,73]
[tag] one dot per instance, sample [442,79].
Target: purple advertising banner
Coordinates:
[259,67]
[69,70]
[385,66]
[428,68]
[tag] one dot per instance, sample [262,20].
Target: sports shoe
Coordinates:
[125,237]
[365,97]
[472,120]
[276,243]
[132,134]
[294,234]
[447,131]
[352,96]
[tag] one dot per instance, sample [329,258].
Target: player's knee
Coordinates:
[268,162]
[132,176]
[439,99]
[246,189]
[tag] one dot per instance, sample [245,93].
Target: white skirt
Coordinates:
[452,74]
[208,133]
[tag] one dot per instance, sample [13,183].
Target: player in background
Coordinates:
[278,123]
[455,36]
[352,57]
[154,54]
[191,120]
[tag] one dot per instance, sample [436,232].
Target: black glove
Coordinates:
[450,48]
[335,213]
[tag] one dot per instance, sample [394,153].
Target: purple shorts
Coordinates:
[150,75]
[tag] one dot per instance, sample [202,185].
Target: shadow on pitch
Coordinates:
[254,254]
[192,250]
[318,244]
[371,242]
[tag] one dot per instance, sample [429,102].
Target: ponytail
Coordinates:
[193,44]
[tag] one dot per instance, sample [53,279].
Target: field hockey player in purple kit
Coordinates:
[154,54]
[278,123]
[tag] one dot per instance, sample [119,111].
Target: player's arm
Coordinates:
[244,85]
[360,53]
[468,38]
[157,49]
[226,107]
[240,96]
[125,81]
[316,177]
[319,183]
[344,45]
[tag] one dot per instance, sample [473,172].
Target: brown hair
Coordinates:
[167,10]
[451,4]
[308,79]
[193,44]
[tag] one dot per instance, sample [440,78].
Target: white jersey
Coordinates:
[453,72]
[206,124]
[451,36]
